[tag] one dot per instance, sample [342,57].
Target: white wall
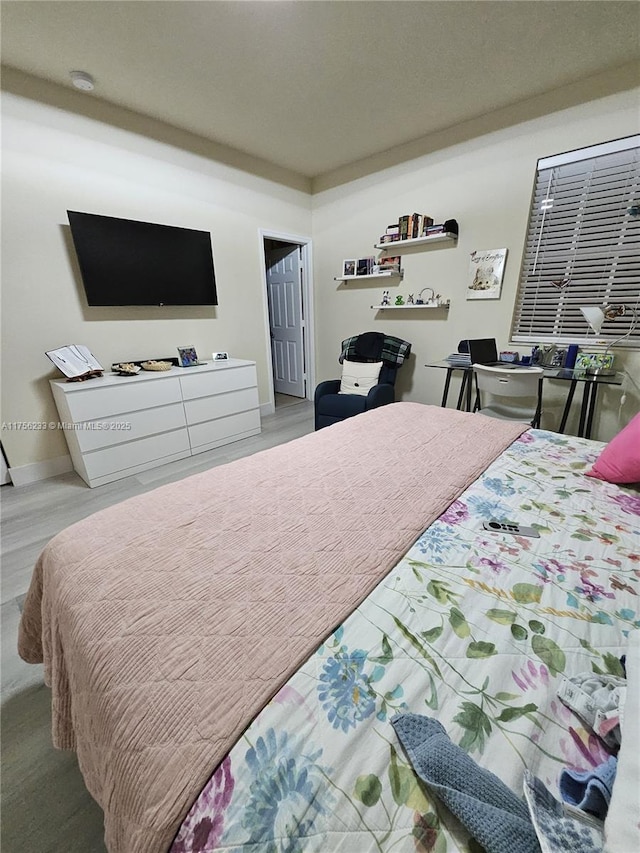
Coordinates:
[54,160]
[485,184]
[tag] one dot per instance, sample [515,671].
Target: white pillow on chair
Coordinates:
[358,377]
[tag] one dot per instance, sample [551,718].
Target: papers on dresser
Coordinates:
[74,360]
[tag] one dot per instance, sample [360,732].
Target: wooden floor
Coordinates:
[45,806]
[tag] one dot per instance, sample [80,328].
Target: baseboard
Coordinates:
[22,475]
[267,408]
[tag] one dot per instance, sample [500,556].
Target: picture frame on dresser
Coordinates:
[187,356]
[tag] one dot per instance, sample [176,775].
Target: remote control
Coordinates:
[511,527]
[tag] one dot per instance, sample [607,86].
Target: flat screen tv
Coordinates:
[125,262]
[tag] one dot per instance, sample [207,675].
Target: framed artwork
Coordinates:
[486,271]
[349,267]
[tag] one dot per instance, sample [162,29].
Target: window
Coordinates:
[582,246]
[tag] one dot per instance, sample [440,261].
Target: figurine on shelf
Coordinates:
[410,299]
[421,301]
[385,298]
[399,300]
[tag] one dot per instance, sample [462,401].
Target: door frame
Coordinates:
[307,310]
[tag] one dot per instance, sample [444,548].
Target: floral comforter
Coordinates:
[471,627]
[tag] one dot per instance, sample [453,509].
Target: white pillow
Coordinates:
[359,376]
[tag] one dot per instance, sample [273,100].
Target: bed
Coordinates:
[226,653]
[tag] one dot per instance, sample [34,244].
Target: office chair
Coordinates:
[331,406]
[511,394]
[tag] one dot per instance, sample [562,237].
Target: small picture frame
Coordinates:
[349,267]
[364,266]
[220,356]
[590,361]
[187,356]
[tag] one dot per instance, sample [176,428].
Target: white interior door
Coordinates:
[284,292]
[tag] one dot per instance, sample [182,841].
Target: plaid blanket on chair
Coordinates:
[394,350]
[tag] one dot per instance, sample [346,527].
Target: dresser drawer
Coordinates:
[129,427]
[224,430]
[109,460]
[209,408]
[101,403]
[218,381]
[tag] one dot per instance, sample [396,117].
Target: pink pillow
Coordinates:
[619,462]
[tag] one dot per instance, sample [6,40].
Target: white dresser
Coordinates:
[116,426]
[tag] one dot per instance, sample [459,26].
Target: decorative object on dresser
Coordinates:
[157,366]
[118,425]
[76,361]
[187,356]
[126,368]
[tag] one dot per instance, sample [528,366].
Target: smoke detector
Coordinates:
[82,80]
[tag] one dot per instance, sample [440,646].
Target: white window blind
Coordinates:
[582,246]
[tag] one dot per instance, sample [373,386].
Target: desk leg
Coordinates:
[592,408]
[469,387]
[445,393]
[586,399]
[463,386]
[567,405]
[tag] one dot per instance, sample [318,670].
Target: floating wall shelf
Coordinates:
[377,275]
[440,305]
[446,237]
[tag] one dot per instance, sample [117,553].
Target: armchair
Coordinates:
[332,406]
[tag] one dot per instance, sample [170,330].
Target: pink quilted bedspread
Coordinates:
[167,622]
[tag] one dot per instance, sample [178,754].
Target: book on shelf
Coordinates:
[412,225]
[422,221]
[427,222]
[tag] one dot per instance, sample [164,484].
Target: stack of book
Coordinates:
[417,225]
[459,359]
[407,228]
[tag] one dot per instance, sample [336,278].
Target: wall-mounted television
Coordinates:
[126,262]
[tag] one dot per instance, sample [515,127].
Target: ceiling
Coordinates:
[312,85]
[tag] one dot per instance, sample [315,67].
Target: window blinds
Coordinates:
[582,245]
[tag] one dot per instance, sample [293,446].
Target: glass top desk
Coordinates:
[574,377]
